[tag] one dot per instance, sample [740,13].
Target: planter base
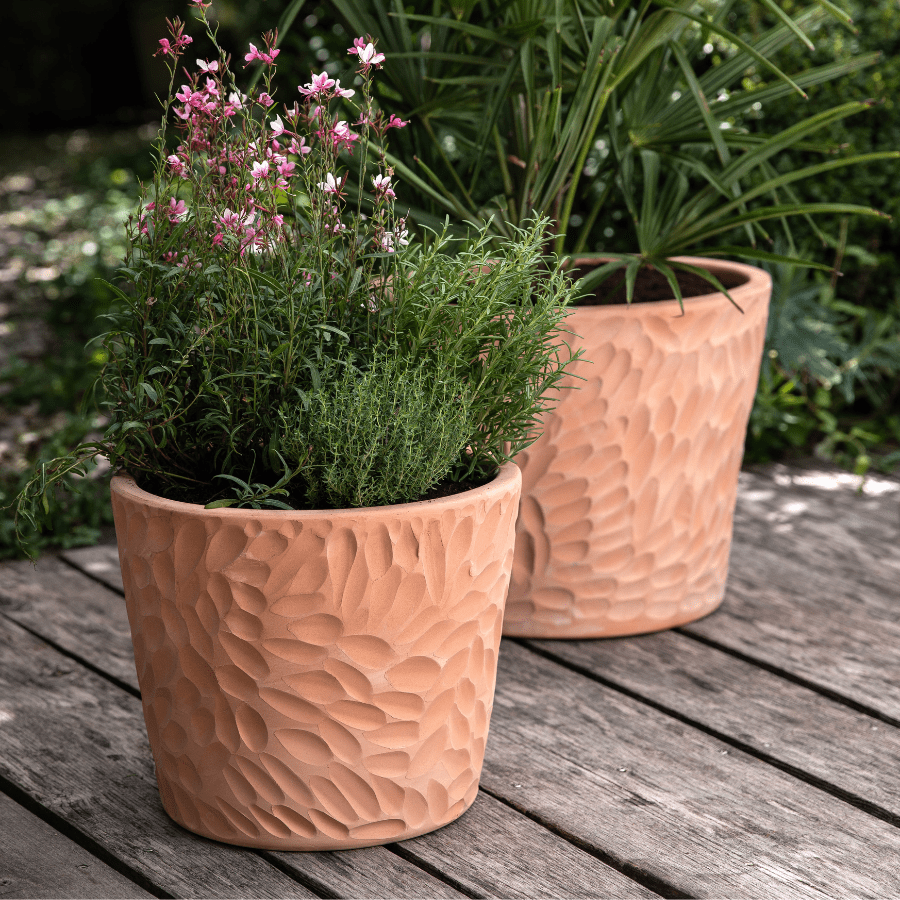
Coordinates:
[378,833]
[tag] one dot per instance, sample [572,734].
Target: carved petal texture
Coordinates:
[317,680]
[628,497]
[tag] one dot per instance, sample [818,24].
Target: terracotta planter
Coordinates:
[628,497]
[317,680]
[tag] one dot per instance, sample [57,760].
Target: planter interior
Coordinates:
[317,680]
[628,497]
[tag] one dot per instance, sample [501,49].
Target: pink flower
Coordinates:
[235,220]
[260,169]
[264,56]
[189,97]
[342,92]
[394,122]
[277,126]
[211,88]
[177,165]
[207,66]
[320,84]
[358,44]
[286,169]
[265,99]
[177,210]
[341,135]
[383,186]
[368,57]
[164,47]
[278,220]
[299,148]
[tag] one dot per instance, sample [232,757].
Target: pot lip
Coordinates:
[757,280]
[508,477]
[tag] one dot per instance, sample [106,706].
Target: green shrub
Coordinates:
[404,427]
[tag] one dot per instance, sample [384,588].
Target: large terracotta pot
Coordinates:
[317,680]
[628,497]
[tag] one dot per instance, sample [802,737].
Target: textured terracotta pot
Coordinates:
[317,680]
[628,497]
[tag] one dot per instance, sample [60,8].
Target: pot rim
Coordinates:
[508,476]
[757,279]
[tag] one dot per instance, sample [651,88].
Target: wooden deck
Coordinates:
[755,753]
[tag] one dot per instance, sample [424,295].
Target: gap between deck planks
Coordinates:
[64,868]
[482,854]
[641,666]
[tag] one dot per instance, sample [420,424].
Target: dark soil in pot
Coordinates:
[652,285]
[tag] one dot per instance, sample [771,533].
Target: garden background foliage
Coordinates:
[831,374]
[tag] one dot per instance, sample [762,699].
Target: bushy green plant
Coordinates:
[405,426]
[872,272]
[253,287]
[826,383]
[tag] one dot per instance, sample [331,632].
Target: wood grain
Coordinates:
[100,562]
[363,872]
[80,615]
[814,583]
[76,744]
[515,857]
[65,869]
[664,800]
[780,720]
[72,611]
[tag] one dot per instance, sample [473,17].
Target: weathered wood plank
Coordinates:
[88,620]
[783,721]
[814,586]
[75,743]
[663,799]
[70,610]
[515,857]
[366,872]
[100,562]
[62,869]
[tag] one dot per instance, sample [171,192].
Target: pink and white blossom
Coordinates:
[329,185]
[265,99]
[176,164]
[342,92]
[207,67]
[358,44]
[277,126]
[320,84]
[383,186]
[368,56]
[260,169]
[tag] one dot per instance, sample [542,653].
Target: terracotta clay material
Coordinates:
[628,497]
[317,680]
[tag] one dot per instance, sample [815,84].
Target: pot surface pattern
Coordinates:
[317,681]
[628,497]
